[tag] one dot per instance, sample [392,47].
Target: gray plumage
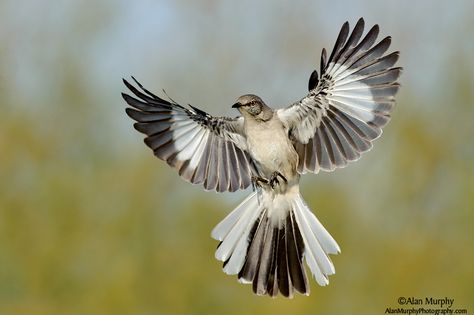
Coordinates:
[268,236]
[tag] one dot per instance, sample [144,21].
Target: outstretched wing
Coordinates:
[348,105]
[205,150]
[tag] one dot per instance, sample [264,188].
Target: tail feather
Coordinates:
[223,228]
[247,274]
[283,276]
[235,263]
[260,281]
[295,250]
[236,228]
[266,243]
[317,260]
[272,284]
[328,244]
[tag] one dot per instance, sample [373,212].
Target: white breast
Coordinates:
[270,147]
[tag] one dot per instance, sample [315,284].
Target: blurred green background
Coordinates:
[91,223]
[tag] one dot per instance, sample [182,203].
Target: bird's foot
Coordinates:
[259,182]
[274,179]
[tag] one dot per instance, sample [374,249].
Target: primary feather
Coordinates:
[352,101]
[205,150]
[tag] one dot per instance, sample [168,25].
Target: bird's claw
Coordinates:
[258,182]
[274,179]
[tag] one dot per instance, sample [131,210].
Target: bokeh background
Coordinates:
[91,223]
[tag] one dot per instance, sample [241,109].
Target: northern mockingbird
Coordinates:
[268,236]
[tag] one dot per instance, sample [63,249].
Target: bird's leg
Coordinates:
[257,184]
[274,179]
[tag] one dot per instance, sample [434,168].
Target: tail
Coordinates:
[265,241]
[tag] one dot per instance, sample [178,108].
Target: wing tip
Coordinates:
[124,96]
[137,127]
[131,112]
[127,84]
[313,80]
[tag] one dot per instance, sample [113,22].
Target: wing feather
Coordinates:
[352,102]
[204,149]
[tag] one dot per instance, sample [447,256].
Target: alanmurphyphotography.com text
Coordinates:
[426,305]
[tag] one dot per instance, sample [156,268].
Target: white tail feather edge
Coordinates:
[234,232]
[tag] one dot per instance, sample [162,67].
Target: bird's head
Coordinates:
[250,105]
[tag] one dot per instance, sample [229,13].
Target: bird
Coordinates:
[270,236]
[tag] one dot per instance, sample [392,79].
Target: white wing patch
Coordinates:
[205,150]
[349,104]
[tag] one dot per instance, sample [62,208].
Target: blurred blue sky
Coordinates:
[187,47]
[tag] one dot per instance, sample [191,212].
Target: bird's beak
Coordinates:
[236,105]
